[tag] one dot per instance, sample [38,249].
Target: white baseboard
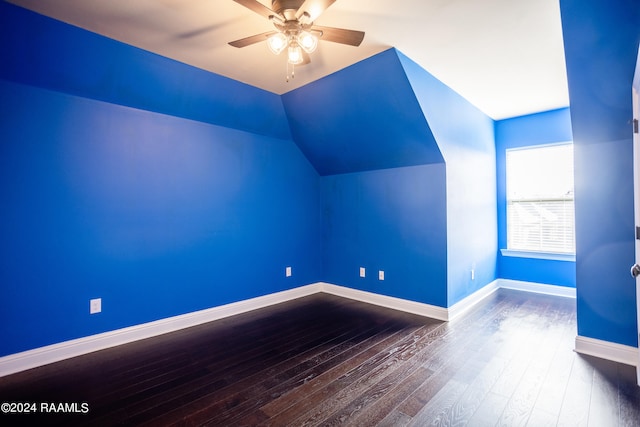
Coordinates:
[44,355]
[468,302]
[418,308]
[53,353]
[607,350]
[538,288]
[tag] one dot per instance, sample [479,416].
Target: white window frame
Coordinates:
[517,244]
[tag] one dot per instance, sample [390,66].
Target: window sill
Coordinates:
[538,255]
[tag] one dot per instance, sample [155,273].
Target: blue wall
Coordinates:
[106,196]
[388,113]
[601,45]
[157,215]
[536,129]
[383,184]
[392,220]
[465,137]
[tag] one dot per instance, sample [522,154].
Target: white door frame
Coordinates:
[636,185]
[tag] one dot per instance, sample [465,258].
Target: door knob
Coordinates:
[635,270]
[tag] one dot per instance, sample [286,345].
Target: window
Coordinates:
[540,208]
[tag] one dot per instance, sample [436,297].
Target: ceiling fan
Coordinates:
[294,28]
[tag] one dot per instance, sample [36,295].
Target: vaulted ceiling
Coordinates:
[504,56]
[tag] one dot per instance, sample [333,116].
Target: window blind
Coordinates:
[540,205]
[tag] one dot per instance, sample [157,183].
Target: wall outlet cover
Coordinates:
[95,306]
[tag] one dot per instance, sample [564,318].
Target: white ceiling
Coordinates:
[505,56]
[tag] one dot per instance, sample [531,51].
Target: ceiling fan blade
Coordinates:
[257,7]
[340,35]
[252,39]
[314,8]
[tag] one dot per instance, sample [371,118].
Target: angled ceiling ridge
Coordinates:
[364,117]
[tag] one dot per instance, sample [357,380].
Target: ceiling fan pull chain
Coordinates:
[293,71]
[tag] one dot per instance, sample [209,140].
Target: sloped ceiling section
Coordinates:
[40,51]
[455,122]
[364,117]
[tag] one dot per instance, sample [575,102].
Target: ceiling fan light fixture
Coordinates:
[295,54]
[307,41]
[277,43]
[295,29]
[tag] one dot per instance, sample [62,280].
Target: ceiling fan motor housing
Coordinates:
[286,8]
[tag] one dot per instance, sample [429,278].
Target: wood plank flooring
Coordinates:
[324,360]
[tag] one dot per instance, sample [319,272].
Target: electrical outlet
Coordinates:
[95,306]
[363,272]
[287,272]
[380,275]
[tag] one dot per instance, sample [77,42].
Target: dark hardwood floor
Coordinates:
[323,360]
